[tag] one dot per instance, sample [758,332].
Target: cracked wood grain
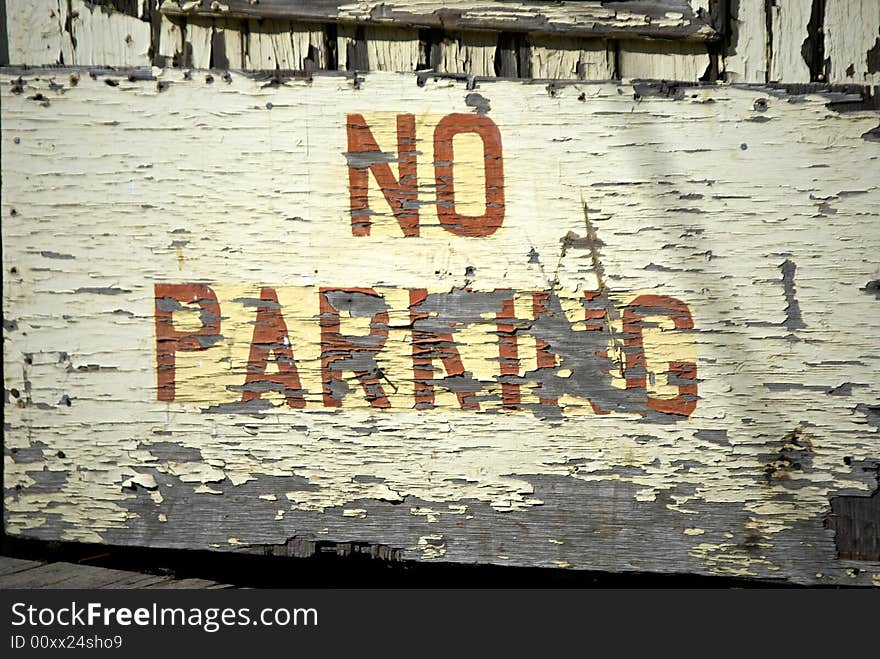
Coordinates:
[76,32]
[668,19]
[752,41]
[809,41]
[684,380]
[852,41]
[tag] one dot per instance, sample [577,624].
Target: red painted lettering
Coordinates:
[364,156]
[684,372]
[428,346]
[468,225]
[351,353]
[270,336]
[168,299]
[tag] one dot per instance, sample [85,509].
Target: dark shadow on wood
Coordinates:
[331,567]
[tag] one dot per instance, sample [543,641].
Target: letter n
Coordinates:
[365,157]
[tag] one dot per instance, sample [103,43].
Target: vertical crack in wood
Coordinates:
[356,56]
[430,42]
[68,25]
[615,64]
[813,47]
[719,19]
[523,56]
[155,18]
[218,58]
[331,34]
[768,19]
[503,64]
[4,41]
[512,56]
[185,59]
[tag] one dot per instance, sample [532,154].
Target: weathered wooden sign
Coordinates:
[601,326]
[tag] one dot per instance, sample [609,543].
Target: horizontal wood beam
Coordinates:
[667,19]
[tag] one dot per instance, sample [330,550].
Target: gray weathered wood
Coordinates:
[665,19]
[9,565]
[16,573]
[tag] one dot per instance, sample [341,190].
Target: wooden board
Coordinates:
[663,18]
[836,41]
[245,314]
[16,573]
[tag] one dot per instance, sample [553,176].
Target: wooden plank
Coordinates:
[351,48]
[90,576]
[427,344]
[269,45]
[186,584]
[746,58]
[668,18]
[135,580]
[570,58]
[227,45]
[9,565]
[171,41]
[789,29]
[34,31]
[75,33]
[654,60]
[97,35]
[852,41]
[377,48]
[198,38]
[392,48]
[41,576]
[62,575]
[470,53]
[798,42]
[310,46]
[20,573]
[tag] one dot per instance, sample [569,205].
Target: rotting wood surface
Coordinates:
[594,326]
